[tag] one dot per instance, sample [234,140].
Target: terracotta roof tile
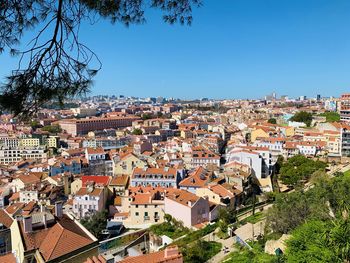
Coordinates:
[120,180]
[64,237]
[95,192]
[5,219]
[8,258]
[101,180]
[156,257]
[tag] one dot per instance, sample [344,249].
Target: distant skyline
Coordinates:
[234,49]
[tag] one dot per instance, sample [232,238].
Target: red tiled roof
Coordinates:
[151,171]
[101,180]
[121,180]
[30,178]
[183,197]
[11,209]
[99,150]
[98,259]
[94,192]
[8,258]
[60,239]
[198,178]
[5,219]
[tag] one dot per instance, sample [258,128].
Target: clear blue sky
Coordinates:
[234,49]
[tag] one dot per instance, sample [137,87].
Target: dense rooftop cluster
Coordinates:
[136,162]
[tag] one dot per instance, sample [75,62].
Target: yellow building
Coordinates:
[287,130]
[127,164]
[259,133]
[52,141]
[30,142]
[145,210]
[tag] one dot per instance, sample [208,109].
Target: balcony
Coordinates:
[146,218]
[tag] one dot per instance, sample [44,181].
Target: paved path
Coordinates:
[221,255]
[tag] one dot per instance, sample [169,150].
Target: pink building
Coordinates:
[187,207]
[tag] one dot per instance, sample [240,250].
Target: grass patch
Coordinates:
[222,235]
[195,235]
[347,173]
[169,229]
[253,219]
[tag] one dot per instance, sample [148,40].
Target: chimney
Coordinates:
[59,209]
[45,220]
[27,224]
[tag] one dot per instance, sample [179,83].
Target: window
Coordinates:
[145,206]
[137,214]
[146,213]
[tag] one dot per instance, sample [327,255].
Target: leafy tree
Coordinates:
[337,190]
[299,168]
[200,251]
[137,131]
[318,220]
[168,218]
[320,241]
[254,255]
[279,163]
[293,209]
[272,121]
[56,64]
[146,116]
[96,223]
[308,244]
[302,116]
[331,116]
[52,129]
[35,124]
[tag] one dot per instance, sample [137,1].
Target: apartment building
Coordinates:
[127,163]
[187,207]
[30,142]
[345,107]
[8,155]
[11,142]
[52,141]
[83,126]
[258,158]
[345,140]
[88,200]
[163,177]
[200,157]
[65,165]
[145,209]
